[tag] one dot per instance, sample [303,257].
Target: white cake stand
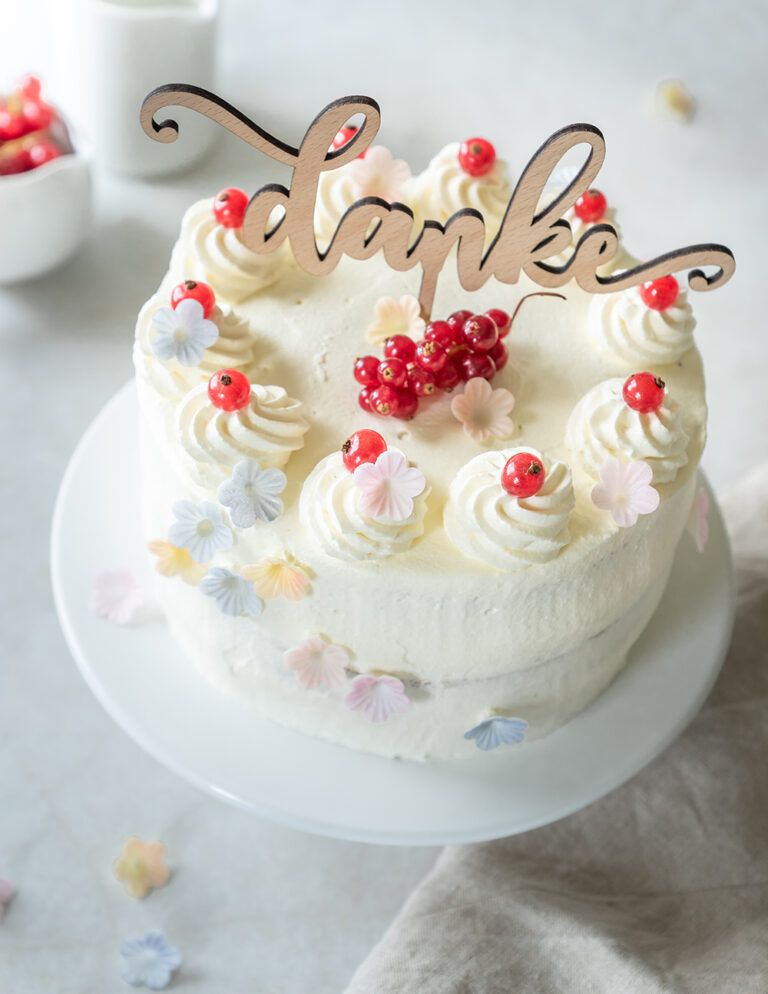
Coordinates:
[143,680]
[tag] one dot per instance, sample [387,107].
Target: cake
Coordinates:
[444,584]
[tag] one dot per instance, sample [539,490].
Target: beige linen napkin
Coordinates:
[661,886]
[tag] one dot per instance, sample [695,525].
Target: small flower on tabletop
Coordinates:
[200,529]
[141,867]
[388,486]
[377,697]
[379,175]
[251,493]
[698,519]
[625,490]
[396,317]
[496,731]
[148,961]
[233,594]
[275,577]
[7,891]
[175,561]
[118,597]
[183,333]
[674,100]
[317,664]
[483,411]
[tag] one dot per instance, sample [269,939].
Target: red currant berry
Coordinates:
[192,290]
[365,445]
[591,207]
[393,372]
[501,319]
[476,156]
[37,115]
[366,370]
[12,165]
[400,347]
[12,125]
[229,207]
[364,398]
[343,135]
[442,333]
[229,390]
[644,392]
[660,294]
[407,405]
[523,475]
[480,333]
[430,356]
[448,378]
[477,364]
[421,381]
[384,400]
[457,319]
[457,362]
[40,153]
[29,86]
[500,355]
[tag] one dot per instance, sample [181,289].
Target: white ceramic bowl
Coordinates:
[46,214]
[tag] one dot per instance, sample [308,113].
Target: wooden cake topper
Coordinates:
[527,237]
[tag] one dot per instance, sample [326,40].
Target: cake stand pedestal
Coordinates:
[144,682]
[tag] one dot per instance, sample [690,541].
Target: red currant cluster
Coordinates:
[453,351]
[26,141]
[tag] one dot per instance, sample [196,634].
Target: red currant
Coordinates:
[40,153]
[12,165]
[229,207]
[37,115]
[12,125]
[29,86]
[448,378]
[476,156]
[400,347]
[192,290]
[591,207]
[343,135]
[523,475]
[480,333]
[364,398]
[421,381]
[393,372]
[477,364]
[442,333]
[501,319]
[362,446]
[660,294]
[457,319]
[430,356]
[229,390]
[366,370]
[644,392]
[384,400]
[407,405]
[500,355]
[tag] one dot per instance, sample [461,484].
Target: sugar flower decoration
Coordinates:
[200,529]
[6,895]
[396,317]
[233,594]
[274,577]
[497,731]
[183,333]
[625,490]
[388,486]
[148,961]
[377,698]
[483,411]
[172,560]
[141,867]
[698,519]
[251,493]
[379,175]
[118,597]
[674,100]
[317,664]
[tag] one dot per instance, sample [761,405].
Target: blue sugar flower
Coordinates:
[251,493]
[496,731]
[182,333]
[200,529]
[148,961]
[233,594]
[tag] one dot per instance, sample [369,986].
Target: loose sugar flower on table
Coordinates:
[276,577]
[175,561]
[483,411]
[497,731]
[252,493]
[233,594]
[148,961]
[317,664]
[388,486]
[200,529]
[141,867]
[625,490]
[377,698]
[396,317]
[183,333]
[118,597]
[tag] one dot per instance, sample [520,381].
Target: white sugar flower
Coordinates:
[317,665]
[496,731]
[200,529]
[117,597]
[698,519]
[183,333]
[483,411]
[251,493]
[377,697]
[148,961]
[396,317]
[625,490]
[379,175]
[233,594]
[388,486]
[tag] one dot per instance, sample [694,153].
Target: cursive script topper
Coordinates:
[528,236]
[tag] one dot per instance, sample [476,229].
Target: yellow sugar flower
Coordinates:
[175,561]
[277,578]
[141,867]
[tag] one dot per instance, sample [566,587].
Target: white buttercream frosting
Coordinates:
[330,512]
[602,427]
[485,522]
[622,324]
[206,250]
[269,429]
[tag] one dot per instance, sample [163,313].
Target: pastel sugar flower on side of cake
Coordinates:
[173,560]
[275,576]
[183,333]
[496,731]
[231,592]
[200,529]
[377,697]
[317,664]
[252,493]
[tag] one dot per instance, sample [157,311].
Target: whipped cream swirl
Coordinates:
[602,427]
[578,228]
[208,251]
[623,325]
[509,533]
[269,429]
[330,511]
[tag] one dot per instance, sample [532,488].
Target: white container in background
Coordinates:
[111,53]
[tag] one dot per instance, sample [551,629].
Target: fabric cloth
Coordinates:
[660,887]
